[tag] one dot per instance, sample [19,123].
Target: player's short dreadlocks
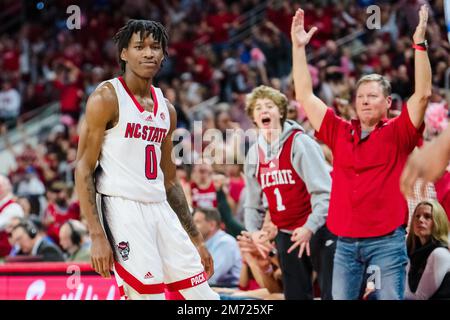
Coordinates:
[144,28]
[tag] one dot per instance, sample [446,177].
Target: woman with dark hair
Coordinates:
[427,243]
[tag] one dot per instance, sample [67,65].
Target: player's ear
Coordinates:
[123,54]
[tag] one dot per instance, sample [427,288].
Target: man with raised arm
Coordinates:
[367,210]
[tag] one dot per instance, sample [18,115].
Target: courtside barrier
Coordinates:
[54,281]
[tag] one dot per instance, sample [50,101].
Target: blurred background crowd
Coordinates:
[218,52]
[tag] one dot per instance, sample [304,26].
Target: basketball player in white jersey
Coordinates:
[136,210]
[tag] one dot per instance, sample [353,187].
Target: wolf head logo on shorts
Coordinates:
[124,249]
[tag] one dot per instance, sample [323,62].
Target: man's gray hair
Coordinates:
[384,83]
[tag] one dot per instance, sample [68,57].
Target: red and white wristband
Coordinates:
[420,47]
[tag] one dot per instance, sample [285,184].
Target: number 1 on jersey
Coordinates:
[280,206]
[151,171]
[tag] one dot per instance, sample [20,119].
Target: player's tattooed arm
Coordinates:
[89,180]
[175,194]
[100,111]
[177,200]
[84,181]
[89,209]
[176,197]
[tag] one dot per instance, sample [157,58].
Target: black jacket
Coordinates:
[49,251]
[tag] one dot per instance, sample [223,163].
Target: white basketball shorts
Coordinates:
[152,251]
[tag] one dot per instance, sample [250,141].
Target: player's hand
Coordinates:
[421,29]
[424,164]
[301,237]
[101,256]
[207,260]
[299,36]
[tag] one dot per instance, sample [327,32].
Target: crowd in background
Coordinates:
[207,58]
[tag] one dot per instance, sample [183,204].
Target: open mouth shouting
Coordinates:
[266,121]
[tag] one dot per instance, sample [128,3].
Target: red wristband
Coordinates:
[417,47]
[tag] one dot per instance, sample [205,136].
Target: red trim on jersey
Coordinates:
[6,204]
[137,285]
[121,291]
[155,101]
[174,295]
[138,105]
[188,282]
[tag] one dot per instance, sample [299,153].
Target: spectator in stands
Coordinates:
[195,33]
[182,118]
[39,226]
[276,48]
[8,209]
[68,83]
[261,276]
[26,206]
[191,91]
[265,268]
[236,183]
[203,193]
[15,248]
[288,167]
[428,273]
[30,186]
[222,21]
[9,103]
[369,154]
[292,112]
[72,239]
[222,246]
[224,122]
[61,210]
[230,224]
[33,246]
[96,77]
[232,79]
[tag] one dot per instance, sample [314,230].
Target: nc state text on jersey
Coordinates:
[276,177]
[148,133]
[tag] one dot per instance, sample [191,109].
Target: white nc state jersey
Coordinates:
[129,163]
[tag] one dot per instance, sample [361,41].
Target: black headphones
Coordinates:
[29,228]
[75,236]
